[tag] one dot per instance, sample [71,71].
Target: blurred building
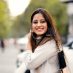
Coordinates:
[70,16]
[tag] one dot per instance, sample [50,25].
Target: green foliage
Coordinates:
[19,28]
[57,9]
[21,25]
[4,20]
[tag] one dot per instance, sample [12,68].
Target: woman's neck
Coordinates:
[38,37]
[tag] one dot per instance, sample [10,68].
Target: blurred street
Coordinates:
[69,58]
[9,55]
[8,60]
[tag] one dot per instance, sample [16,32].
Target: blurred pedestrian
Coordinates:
[2,44]
[41,55]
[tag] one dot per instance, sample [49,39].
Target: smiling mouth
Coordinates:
[39,29]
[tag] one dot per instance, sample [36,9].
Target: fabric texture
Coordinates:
[43,60]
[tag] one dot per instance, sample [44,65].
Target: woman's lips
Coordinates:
[39,29]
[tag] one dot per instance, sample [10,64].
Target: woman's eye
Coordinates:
[43,21]
[34,22]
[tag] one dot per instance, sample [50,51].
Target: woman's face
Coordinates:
[39,25]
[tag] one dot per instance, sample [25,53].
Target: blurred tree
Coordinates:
[4,20]
[57,10]
[19,28]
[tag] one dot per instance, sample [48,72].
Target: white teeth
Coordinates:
[40,29]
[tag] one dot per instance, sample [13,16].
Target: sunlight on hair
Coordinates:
[17,7]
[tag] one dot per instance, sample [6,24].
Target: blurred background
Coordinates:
[15,24]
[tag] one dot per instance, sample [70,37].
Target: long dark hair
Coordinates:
[51,31]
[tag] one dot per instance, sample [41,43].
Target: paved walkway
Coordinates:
[8,60]
[69,58]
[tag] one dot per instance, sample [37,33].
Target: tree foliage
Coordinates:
[57,9]
[4,20]
[21,24]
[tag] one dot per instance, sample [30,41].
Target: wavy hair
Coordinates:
[51,31]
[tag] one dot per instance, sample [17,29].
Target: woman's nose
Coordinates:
[39,24]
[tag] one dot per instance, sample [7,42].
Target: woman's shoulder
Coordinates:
[52,41]
[49,44]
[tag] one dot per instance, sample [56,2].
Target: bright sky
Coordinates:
[17,7]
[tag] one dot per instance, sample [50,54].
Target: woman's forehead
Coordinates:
[38,16]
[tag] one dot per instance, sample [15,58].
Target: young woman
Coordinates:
[41,55]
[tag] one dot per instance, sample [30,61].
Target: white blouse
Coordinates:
[43,60]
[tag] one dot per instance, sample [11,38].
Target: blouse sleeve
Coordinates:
[41,54]
[22,60]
